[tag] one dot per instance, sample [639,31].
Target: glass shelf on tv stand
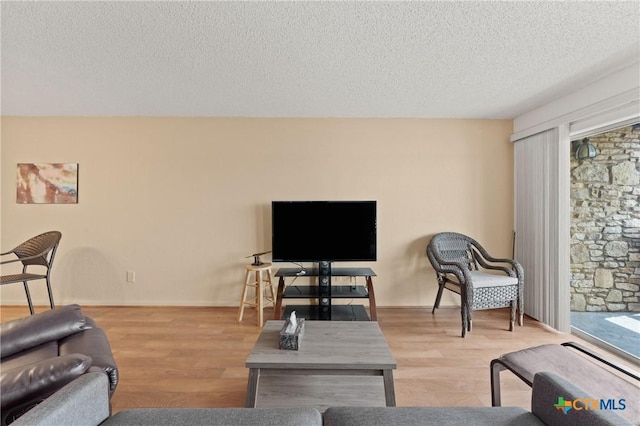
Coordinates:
[338,312]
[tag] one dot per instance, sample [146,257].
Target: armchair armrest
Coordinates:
[34,382]
[483,258]
[94,343]
[487,265]
[20,259]
[28,332]
[489,258]
[478,249]
[458,269]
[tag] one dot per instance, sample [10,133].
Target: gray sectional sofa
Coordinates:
[85,401]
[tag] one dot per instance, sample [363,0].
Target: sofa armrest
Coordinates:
[28,332]
[551,392]
[83,402]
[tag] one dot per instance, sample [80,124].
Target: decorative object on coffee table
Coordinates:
[291,333]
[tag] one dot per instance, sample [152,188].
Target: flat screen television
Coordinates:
[312,231]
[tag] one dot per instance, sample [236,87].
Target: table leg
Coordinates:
[259,298]
[252,387]
[247,280]
[372,300]
[389,390]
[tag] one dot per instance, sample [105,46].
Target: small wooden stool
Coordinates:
[260,290]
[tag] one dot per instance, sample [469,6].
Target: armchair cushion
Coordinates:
[40,378]
[28,332]
[483,279]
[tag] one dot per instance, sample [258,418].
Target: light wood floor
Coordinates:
[194,357]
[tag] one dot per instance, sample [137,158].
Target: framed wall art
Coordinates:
[47,183]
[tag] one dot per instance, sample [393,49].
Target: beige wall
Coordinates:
[181,201]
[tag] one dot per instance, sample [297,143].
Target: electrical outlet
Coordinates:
[131,276]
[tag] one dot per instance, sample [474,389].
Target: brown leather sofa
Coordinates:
[42,353]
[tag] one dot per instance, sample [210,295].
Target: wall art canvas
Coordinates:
[47,183]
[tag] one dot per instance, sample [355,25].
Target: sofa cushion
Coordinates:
[24,333]
[418,416]
[40,378]
[216,416]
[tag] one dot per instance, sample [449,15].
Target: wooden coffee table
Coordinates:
[321,373]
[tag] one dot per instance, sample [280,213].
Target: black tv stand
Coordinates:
[324,292]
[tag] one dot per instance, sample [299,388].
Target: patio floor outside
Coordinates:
[620,330]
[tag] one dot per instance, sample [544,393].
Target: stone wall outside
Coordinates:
[605,224]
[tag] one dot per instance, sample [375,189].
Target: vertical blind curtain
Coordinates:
[542,225]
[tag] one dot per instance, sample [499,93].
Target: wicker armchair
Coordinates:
[460,263]
[38,251]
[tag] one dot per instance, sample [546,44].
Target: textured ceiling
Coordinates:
[307,59]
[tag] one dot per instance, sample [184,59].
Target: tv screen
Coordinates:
[310,231]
